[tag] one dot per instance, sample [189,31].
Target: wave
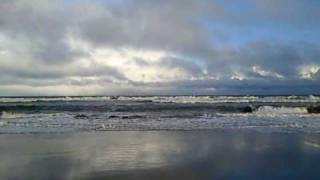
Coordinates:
[238,99]
[171,117]
[283,110]
[54,99]
[270,110]
[313,109]
[159,107]
[168,99]
[133,116]
[12,115]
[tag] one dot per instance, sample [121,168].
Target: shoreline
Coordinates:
[160,155]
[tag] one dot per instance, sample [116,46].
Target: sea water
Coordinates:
[64,114]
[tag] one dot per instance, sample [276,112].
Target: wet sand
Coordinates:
[160,155]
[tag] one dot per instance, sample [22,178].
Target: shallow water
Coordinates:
[218,137]
[65,114]
[160,155]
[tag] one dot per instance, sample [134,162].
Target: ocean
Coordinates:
[65,114]
[160,137]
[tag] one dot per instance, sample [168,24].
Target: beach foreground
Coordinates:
[160,155]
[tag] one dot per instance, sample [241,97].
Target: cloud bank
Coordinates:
[98,47]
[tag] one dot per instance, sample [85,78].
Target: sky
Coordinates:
[152,47]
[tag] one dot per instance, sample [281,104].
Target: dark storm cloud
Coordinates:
[56,72]
[204,38]
[301,14]
[169,25]
[283,58]
[41,23]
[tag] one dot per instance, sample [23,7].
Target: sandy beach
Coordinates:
[160,155]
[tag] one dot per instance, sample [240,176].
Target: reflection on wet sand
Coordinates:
[160,155]
[312,141]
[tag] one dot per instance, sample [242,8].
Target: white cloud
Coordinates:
[123,60]
[52,44]
[309,71]
[265,73]
[238,76]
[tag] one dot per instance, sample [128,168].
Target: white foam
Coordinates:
[234,99]
[45,99]
[9,115]
[265,118]
[272,111]
[177,99]
[15,115]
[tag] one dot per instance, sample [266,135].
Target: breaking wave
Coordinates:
[10,115]
[298,113]
[168,99]
[270,110]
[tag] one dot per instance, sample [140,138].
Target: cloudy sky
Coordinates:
[136,47]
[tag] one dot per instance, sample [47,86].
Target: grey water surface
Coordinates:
[160,155]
